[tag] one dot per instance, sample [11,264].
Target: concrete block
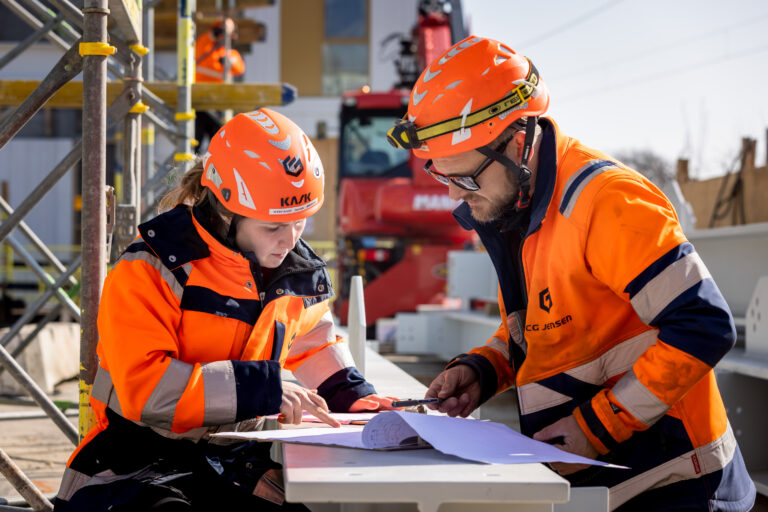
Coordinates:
[53,356]
[757,320]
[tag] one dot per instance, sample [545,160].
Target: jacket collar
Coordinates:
[546,175]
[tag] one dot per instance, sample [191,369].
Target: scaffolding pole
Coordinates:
[36,242]
[94,219]
[23,378]
[29,41]
[116,111]
[148,132]
[33,22]
[24,485]
[66,69]
[185,116]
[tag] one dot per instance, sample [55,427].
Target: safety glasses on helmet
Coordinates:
[466,182]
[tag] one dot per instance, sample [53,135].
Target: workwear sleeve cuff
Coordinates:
[600,421]
[259,388]
[485,371]
[344,388]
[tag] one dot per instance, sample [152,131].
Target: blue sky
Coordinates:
[682,78]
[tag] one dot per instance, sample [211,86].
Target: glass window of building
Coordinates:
[345,46]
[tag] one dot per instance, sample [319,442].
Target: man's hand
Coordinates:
[460,389]
[572,440]
[297,399]
[372,403]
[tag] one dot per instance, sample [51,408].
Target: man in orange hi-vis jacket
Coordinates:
[611,323]
[211,54]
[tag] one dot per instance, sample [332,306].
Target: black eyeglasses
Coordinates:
[465,182]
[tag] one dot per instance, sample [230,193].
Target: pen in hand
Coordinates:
[416,401]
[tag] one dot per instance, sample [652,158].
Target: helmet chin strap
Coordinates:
[232,231]
[522,171]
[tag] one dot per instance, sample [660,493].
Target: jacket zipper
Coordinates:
[524,293]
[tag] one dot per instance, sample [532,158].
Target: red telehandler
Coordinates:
[395,223]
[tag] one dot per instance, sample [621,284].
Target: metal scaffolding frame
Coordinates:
[90,49]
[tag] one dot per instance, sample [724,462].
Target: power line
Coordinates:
[664,47]
[663,74]
[569,25]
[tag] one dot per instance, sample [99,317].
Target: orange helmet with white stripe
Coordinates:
[262,165]
[465,98]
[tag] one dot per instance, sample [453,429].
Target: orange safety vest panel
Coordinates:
[609,314]
[191,342]
[208,60]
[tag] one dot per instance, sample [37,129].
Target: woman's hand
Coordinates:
[372,403]
[297,399]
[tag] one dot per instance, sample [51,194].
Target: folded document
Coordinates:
[475,440]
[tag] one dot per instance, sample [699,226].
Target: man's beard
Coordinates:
[487,210]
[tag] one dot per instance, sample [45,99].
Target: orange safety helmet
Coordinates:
[262,165]
[465,98]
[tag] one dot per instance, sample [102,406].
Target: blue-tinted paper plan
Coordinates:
[475,440]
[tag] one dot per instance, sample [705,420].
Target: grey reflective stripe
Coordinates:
[322,364]
[102,385]
[638,399]
[708,459]
[104,390]
[583,176]
[194,434]
[71,482]
[534,397]
[615,361]
[667,285]
[499,346]
[155,263]
[220,393]
[161,405]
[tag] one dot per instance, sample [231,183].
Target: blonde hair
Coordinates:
[192,193]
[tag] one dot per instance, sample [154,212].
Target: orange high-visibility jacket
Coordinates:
[609,314]
[209,56]
[190,340]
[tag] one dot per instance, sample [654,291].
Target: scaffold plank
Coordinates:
[205,96]
[209,6]
[127,16]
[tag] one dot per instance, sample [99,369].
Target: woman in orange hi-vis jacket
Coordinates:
[197,319]
[611,324]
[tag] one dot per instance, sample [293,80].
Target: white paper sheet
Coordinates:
[345,418]
[479,441]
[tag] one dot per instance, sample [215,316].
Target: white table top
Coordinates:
[322,474]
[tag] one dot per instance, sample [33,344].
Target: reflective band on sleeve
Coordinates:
[318,367]
[667,285]
[615,361]
[220,393]
[638,399]
[322,333]
[499,345]
[104,390]
[161,405]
